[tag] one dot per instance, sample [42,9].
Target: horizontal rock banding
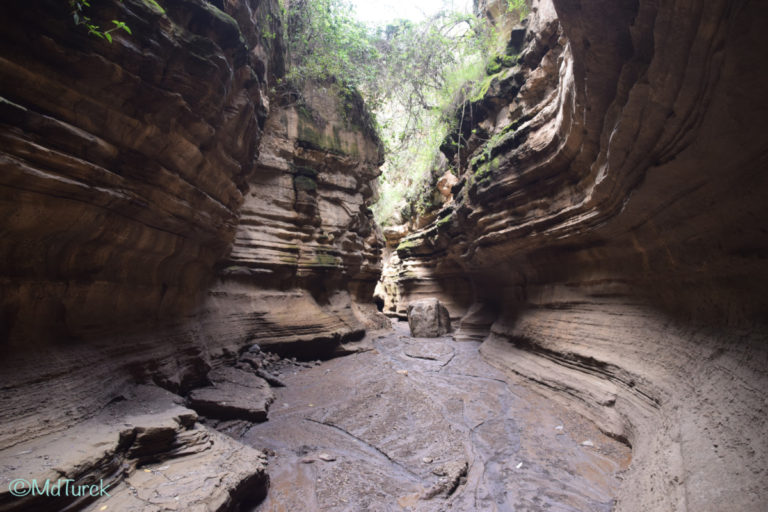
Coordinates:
[123,164]
[606,221]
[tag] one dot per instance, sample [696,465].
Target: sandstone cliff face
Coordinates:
[123,169]
[306,255]
[606,237]
[158,216]
[124,164]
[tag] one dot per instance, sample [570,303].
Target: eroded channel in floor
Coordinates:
[428,425]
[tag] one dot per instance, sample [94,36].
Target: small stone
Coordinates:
[559,427]
[427,460]
[403,372]
[307,460]
[326,457]
[519,465]
[588,443]
[272,379]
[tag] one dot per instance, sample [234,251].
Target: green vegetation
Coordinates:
[80,11]
[407,244]
[500,62]
[416,121]
[312,136]
[485,171]
[408,73]
[416,79]
[304,183]
[491,144]
[445,220]
[518,6]
[324,42]
[325,260]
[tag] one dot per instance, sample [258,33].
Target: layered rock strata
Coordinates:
[124,164]
[134,455]
[608,222]
[152,231]
[306,256]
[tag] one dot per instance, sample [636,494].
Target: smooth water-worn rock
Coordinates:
[427,318]
[386,429]
[124,165]
[606,241]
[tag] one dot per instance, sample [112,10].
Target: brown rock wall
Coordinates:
[306,249]
[124,164]
[159,214]
[609,210]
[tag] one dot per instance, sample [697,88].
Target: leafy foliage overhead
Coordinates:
[408,72]
[80,15]
[403,62]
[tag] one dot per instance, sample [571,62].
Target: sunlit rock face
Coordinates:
[608,231]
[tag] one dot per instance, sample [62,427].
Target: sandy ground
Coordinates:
[428,425]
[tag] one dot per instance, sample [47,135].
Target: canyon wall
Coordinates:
[606,238]
[124,164]
[306,254]
[165,203]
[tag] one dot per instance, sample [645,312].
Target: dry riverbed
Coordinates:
[428,425]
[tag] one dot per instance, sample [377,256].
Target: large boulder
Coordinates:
[427,318]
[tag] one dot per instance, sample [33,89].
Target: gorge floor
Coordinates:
[428,425]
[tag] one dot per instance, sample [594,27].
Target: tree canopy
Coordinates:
[409,73]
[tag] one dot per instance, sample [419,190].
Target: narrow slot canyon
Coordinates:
[218,294]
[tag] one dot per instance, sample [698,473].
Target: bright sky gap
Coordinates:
[383,11]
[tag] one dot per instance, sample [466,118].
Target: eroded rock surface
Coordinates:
[146,451]
[605,236]
[306,256]
[233,395]
[427,318]
[151,230]
[124,164]
[387,430]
